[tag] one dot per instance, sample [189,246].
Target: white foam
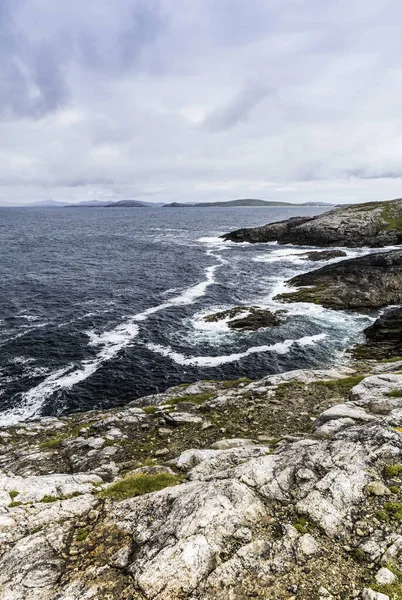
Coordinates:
[110,344]
[21,360]
[214,361]
[29,317]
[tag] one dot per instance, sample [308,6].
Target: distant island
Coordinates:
[251,202]
[242,202]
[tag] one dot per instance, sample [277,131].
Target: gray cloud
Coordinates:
[239,108]
[35,63]
[291,99]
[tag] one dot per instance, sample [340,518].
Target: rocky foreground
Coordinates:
[283,488]
[375,224]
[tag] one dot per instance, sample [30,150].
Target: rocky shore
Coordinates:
[285,488]
[274,488]
[368,282]
[375,224]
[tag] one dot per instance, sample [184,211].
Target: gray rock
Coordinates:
[344,411]
[369,594]
[182,417]
[228,443]
[384,576]
[377,488]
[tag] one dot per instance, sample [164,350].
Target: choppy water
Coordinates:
[101,306]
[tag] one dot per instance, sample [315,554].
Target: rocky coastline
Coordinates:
[287,488]
[368,282]
[375,224]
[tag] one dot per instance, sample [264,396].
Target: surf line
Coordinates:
[214,361]
[110,343]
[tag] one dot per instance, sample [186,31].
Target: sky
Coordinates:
[200,100]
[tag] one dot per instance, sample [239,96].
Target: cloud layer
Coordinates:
[189,100]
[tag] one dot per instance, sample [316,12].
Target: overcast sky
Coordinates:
[193,100]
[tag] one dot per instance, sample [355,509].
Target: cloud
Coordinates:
[239,108]
[178,100]
[41,46]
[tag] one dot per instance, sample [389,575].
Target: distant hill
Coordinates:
[134,204]
[141,204]
[243,202]
[93,204]
[129,204]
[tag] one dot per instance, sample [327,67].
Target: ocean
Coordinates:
[99,306]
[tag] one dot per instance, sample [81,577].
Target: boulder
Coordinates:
[323,255]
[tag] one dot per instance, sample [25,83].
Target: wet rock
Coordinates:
[383,338]
[363,283]
[323,255]
[246,318]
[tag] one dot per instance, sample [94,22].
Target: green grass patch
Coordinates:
[47,499]
[139,484]
[391,360]
[393,470]
[394,394]
[13,494]
[392,217]
[394,510]
[358,555]
[82,535]
[343,385]
[149,410]
[301,525]
[305,294]
[235,382]
[13,504]
[382,516]
[394,489]
[53,443]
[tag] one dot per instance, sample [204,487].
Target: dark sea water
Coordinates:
[101,306]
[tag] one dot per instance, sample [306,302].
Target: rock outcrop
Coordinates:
[368,282]
[375,224]
[319,255]
[384,337]
[246,317]
[275,488]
